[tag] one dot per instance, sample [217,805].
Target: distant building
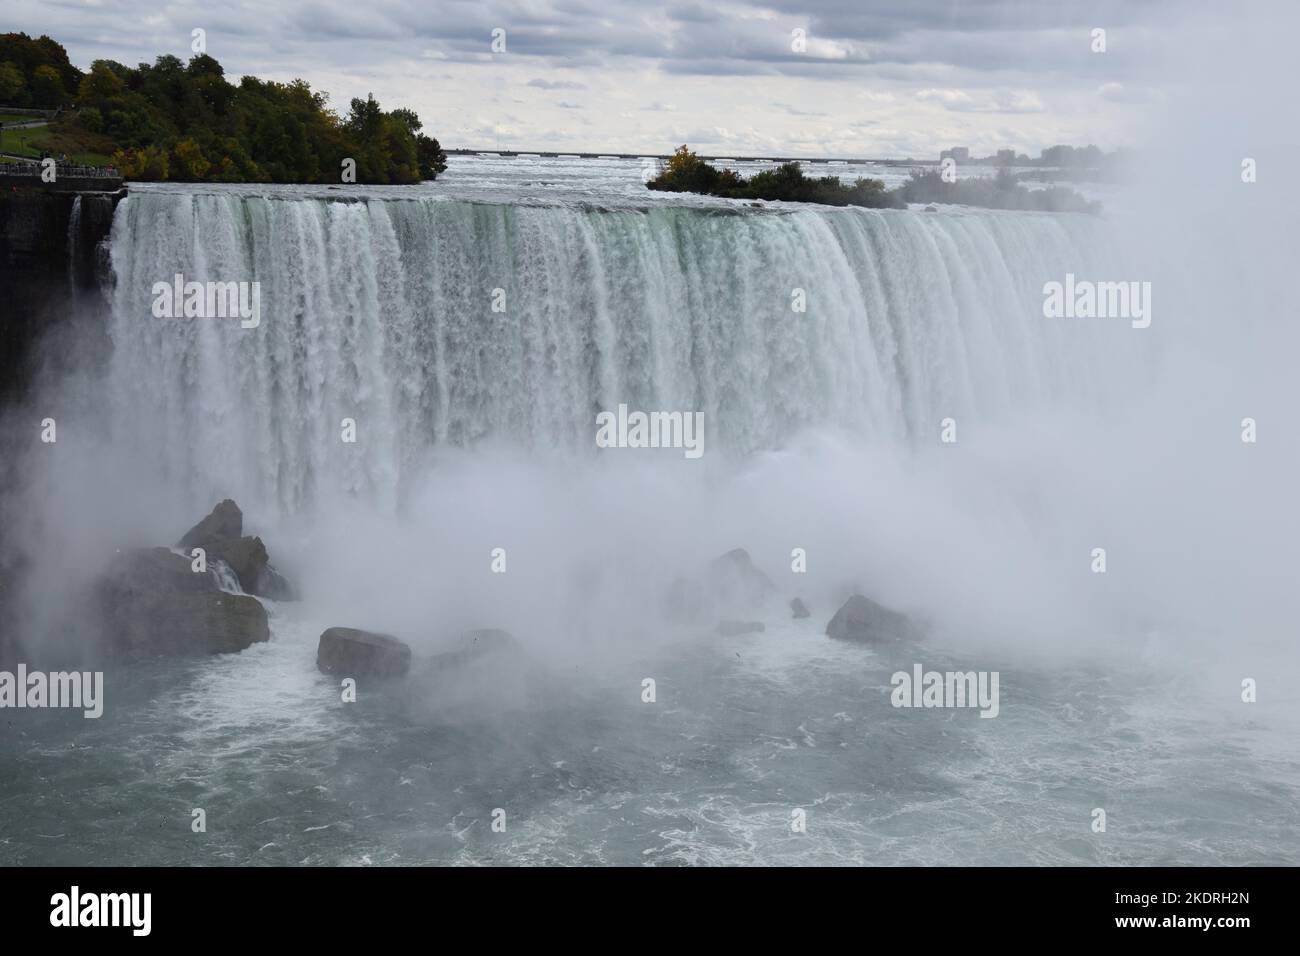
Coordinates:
[1006,157]
[958,154]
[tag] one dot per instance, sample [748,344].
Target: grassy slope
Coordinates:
[81,147]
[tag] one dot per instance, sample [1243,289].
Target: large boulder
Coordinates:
[153,603]
[736,574]
[798,608]
[861,619]
[349,652]
[728,584]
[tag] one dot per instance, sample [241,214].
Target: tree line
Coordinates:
[186,122]
[687,172]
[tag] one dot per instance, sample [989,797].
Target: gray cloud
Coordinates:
[927,72]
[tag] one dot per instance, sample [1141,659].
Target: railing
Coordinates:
[63,170]
[28,111]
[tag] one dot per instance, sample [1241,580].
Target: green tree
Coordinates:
[47,87]
[12,83]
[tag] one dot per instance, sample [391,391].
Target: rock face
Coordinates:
[154,604]
[729,584]
[798,608]
[861,619]
[348,652]
[732,628]
[221,536]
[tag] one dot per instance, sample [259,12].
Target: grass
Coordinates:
[81,147]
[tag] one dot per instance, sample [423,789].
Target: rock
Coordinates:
[223,522]
[798,608]
[274,585]
[212,622]
[475,645]
[348,652]
[732,628]
[152,603]
[246,556]
[861,619]
[730,583]
[735,571]
[221,536]
[143,571]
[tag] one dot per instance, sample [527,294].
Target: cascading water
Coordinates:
[445,322]
[74,237]
[475,430]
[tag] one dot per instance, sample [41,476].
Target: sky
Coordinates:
[871,78]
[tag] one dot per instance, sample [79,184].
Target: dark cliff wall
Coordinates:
[49,260]
[51,323]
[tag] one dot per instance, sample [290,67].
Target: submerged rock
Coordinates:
[152,603]
[732,628]
[349,652]
[798,608]
[861,619]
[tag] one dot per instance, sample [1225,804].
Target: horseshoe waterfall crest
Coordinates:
[382,311]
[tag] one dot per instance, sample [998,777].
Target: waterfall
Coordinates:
[74,237]
[431,322]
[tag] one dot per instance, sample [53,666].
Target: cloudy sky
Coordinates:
[874,78]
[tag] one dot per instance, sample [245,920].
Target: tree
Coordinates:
[431,157]
[47,87]
[12,83]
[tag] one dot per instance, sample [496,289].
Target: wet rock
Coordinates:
[224,521]
[728,584]
[798,608]
[736,573]
[349,652]
[861,619]
[143,571]
[274,585]
[221,536]
[732,628]
[153,604]
[246,556]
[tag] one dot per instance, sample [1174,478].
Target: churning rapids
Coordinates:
[475,431]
